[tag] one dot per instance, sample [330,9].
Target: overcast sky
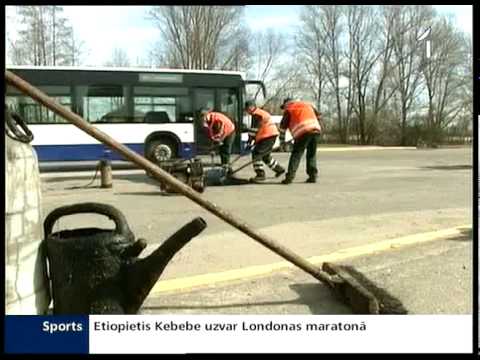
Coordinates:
[102,28]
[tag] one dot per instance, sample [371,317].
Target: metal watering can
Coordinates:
[97,271]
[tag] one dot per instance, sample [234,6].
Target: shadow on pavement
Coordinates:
[320,299]
[146,193]
[466,235]
[317,297]
[64,179]
[145,179]
[138,178]
[447,167]
[221,306]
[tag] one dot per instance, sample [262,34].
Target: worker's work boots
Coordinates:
[260,176]
[279,170]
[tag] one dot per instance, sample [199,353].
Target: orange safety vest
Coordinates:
[302,119]
[266,128]
[226,124]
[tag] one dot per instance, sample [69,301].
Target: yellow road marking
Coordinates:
[258,270]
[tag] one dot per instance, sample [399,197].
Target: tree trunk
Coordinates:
[403,134]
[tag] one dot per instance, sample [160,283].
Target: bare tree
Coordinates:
[75,49]
[234,51]
[310,41]
[349,93]
[200,37]
[156,56]
[119,58]
[381,92]
[332,27]
[266,54]
[45,37]
[326,46]
[444,78]
[363,30]
[408,22]
[466,90]
[287,80]
[25,48]
[367,64]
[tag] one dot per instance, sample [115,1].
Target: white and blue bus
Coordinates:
[153,112]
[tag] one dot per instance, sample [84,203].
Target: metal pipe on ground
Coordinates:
[347,284]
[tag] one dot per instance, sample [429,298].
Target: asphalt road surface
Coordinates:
[361,198]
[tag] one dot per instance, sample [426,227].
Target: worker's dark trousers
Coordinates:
[309,142]
[226,149]
[263,152]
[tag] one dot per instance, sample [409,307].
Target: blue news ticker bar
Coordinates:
[25,334]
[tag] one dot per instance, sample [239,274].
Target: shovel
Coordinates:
[351,287]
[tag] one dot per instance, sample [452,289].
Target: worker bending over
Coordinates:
[265,133]
[221,130]
[304,123]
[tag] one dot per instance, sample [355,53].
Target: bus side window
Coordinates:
[105,104]
[228,103]
[34,113]
[185,109]
[158,109]
[161,104]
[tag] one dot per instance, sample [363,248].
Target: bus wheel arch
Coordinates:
[161,146]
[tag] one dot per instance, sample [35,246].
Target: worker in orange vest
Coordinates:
[305,125]
[265,133]
[221,130]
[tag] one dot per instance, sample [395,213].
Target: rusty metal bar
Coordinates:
[163,176]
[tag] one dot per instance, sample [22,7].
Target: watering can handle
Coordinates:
[121,226]
[12,122]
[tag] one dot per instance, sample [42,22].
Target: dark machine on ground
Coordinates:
[190,172]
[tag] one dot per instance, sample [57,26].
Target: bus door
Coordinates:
[202,98]
[228,104]
[224,100]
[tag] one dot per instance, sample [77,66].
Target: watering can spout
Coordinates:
[141,275]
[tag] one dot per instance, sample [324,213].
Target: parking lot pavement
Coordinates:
[52,168]
[361,198]
[434,277]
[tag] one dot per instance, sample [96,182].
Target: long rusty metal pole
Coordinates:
[162,175]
